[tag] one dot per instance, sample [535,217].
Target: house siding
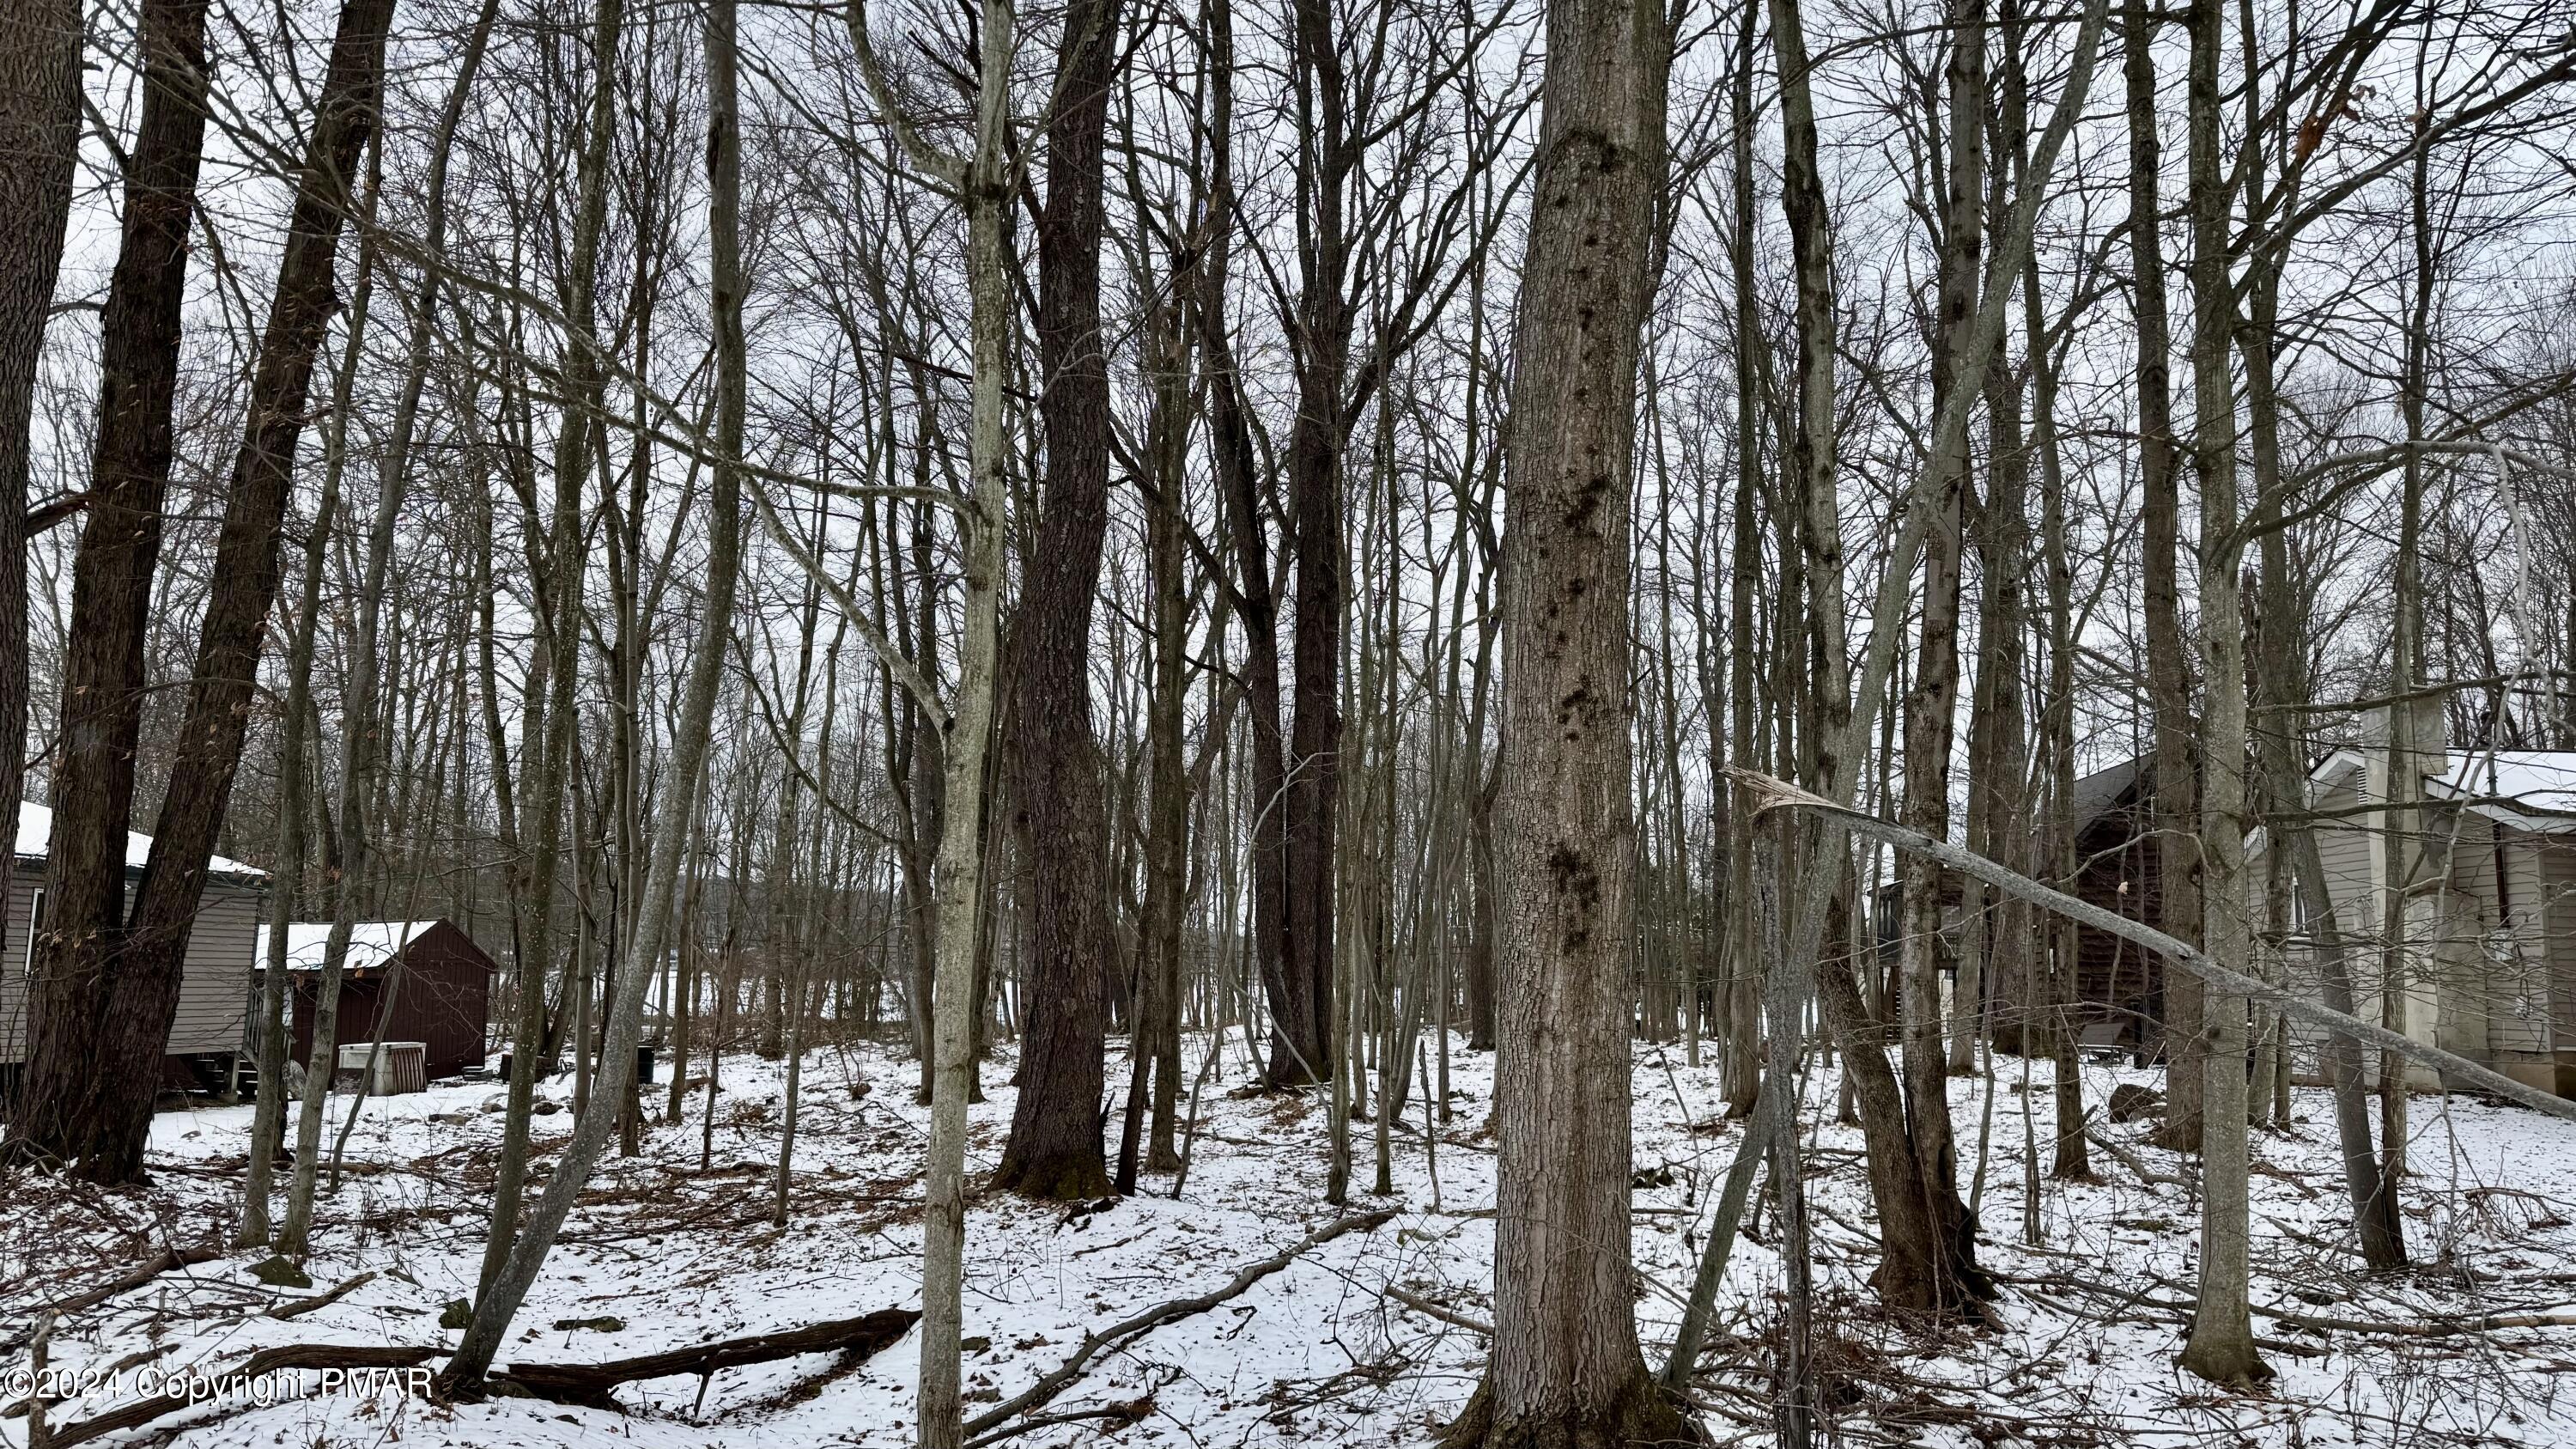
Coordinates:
[2554,869]
[214,987]
[21,900]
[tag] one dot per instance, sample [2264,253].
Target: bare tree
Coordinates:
[40,104]
[1566,1368]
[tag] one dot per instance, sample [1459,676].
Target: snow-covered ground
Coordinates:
[665,1255]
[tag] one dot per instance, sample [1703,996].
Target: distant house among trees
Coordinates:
[214,988]
[407,981]
[2117,868]
[2459,899]
[2119,989]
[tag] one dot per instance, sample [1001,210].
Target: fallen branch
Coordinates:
[1120,1415]
[301,1306]
[587,1384]
[2440,1328]
[166,1261]
[2131,1160]
[1429,1309]
[1131,1329]
[1780,795]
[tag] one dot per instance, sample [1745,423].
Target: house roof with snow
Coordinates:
[2527,789]
[371,943]
[36,833]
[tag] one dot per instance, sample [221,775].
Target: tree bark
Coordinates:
[1566,1369]
[40,104]
[1058,813]
[1916,1273]
[2173,815]
[82,1067]
[2221,1345]
[1317,438]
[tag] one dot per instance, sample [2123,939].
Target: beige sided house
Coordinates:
[214,991]
[2486,886]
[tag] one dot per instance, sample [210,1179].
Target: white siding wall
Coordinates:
[214,991]
[15,904]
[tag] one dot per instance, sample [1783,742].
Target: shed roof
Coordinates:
[2103,791]
[371,943]
[36,833]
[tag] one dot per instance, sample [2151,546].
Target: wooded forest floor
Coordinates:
[665,1255]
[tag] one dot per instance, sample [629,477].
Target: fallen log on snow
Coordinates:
[583,1384]
[588,1383]
[2131,1160]
[1127,1330]
[2428,1328]
[302,1306]
[1442,1311]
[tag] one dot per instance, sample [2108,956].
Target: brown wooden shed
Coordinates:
[2117,870]
[423,981]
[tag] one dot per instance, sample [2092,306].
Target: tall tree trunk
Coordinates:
[1998,738]
[2281,668]
[1931,711]
[40,105]
[268,1126]
[1566,1369]
[1296,1054]
[1317,437]
[1167,844]
[140,988]
[1846,702]
[71,963]
[2073,1158]
[1743,975]
[1058,813]
[2221,1345]
[2174,814]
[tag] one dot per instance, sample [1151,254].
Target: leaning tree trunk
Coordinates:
[2281,669]
[69,975]
[246,566]
[40,103]
[504,1290]
[546,758]
[1566,1369]
[1058,811]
